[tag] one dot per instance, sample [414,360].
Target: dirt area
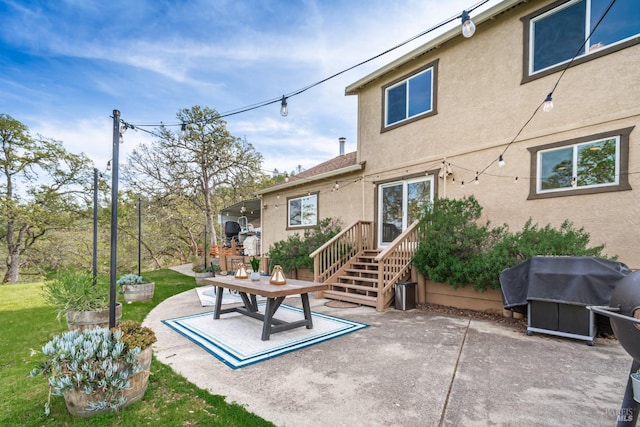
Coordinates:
[517,324]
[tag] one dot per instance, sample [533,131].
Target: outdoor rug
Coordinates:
[235,338]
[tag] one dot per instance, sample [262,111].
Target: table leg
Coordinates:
[307,310]
[268,316]
[216,312]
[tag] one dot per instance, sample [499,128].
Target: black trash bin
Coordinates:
[405,295]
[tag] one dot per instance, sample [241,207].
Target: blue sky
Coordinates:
[66,65]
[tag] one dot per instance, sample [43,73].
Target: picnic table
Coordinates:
[274,294]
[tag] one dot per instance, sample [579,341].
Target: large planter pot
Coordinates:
[79,403]
[81,320]
[635,382]
[138,292]
[200,276]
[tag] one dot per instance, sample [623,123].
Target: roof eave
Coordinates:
[330,174]
[487,15]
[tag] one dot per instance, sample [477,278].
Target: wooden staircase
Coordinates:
[357,272]
[358,283]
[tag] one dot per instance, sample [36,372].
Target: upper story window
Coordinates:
[593,164]
[303,211]
[554,34]
[410,97]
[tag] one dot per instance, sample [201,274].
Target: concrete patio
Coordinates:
[411,368]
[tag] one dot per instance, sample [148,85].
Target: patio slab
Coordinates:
[411,368]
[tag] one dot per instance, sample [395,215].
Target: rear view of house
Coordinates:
[465,116]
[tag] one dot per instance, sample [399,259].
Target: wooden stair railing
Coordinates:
[332,257]
[394,263]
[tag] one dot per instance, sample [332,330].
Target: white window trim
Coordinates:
[574,172]
[406,107]
[405,212]
[302,199]
[587,51]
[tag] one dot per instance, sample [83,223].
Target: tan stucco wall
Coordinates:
[481,107]
[344,204]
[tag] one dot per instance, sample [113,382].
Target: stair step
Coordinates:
[362,288]
[373,280]
[354,298]
[361,271]
[364,265]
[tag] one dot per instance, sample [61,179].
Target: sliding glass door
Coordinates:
[399,204]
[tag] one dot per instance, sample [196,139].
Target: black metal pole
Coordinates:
[114,219]
[204,252]
[628,415]
[139,234]
[94,265]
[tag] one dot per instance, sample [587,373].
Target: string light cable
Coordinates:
[548,101]
[283,98]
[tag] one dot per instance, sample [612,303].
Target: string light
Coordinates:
[468,27]
[547,105]
[283,107]
[183,130]
[501,161]
[476,181]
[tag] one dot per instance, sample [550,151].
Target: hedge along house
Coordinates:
[463,116]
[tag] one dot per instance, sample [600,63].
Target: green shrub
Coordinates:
[456,249]
[293,253]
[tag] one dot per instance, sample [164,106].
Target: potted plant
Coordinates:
[85,305]
[635,382]
[255,268]
[97,370]
[135,288]
[201,271]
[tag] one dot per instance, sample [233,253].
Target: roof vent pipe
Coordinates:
[342,140]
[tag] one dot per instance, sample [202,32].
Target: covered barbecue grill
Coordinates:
[555,291]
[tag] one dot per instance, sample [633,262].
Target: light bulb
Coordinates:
[468,27]
[501,162]
[283,107]
[183,130]
[548,104]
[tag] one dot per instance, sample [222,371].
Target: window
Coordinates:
[556,32]
[303,211]
[410,97]
[587,165]
[399,204]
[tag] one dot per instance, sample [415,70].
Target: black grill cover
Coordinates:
[231,228]
[568,280]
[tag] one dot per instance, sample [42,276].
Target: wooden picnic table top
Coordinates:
[263,288]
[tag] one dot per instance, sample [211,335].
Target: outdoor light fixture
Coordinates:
[283,107]
[548,104]
[501,161]
[183,130]
[468,27]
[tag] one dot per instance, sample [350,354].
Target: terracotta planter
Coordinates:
[139,292]
[78,402]
[81,320]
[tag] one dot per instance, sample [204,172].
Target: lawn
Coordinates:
[28,323]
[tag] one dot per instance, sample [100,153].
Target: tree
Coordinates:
[208,166]
[39,190]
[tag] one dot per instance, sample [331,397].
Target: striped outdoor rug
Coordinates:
[235,338]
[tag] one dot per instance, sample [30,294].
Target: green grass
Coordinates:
[27,324]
